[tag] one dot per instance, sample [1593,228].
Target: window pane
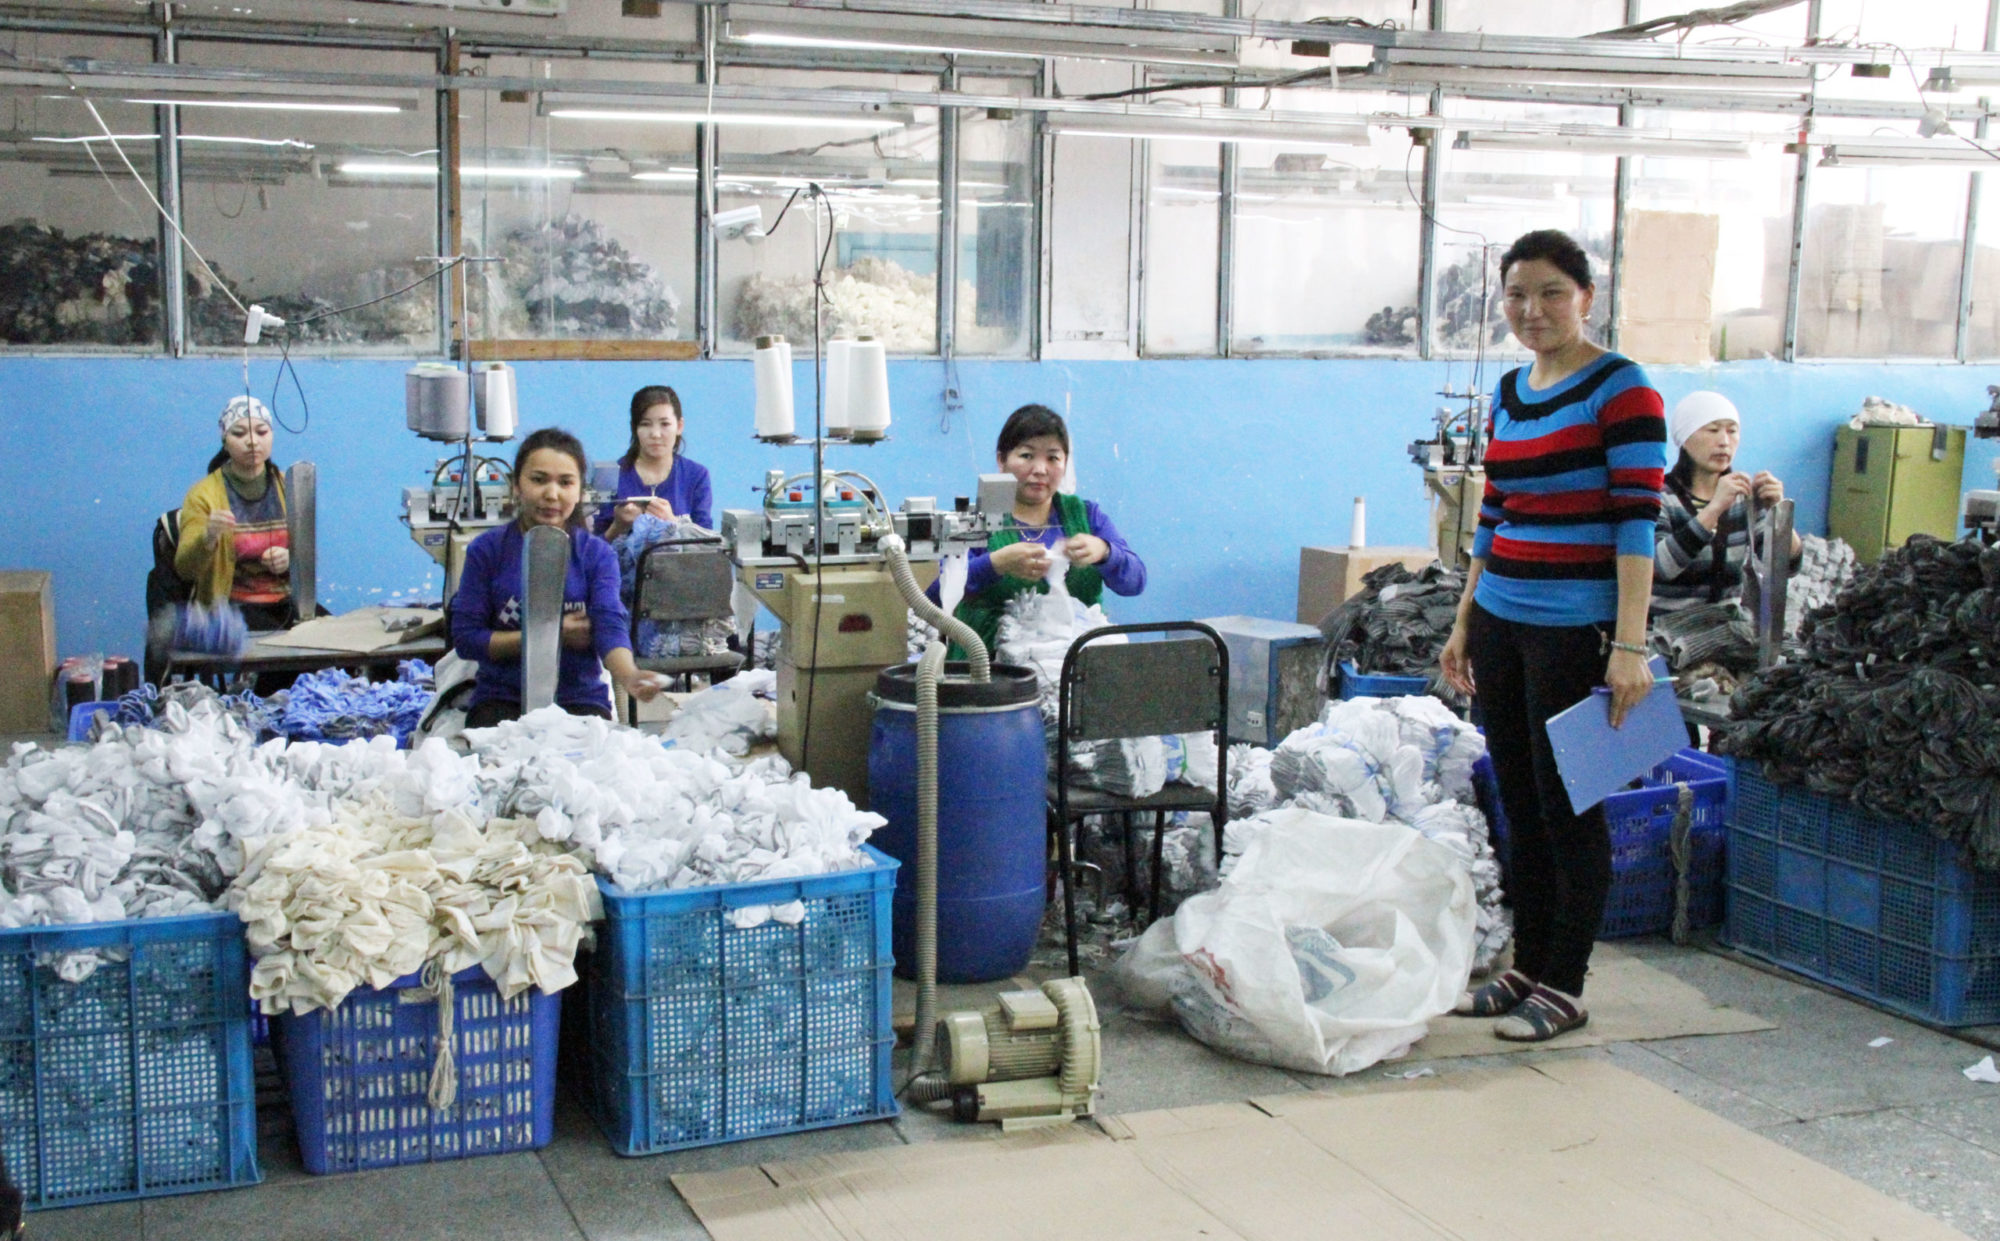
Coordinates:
[1183,191]
[1327,239]
[592,219]
[881,276]
[1879,276]
[1090,223]
[1983,334]
[1547,17]
[298,223]
[79,243]
[1751,201]
[1488,198]
[996,225]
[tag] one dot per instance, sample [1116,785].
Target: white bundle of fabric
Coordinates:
[650,816]
[374,895]
[728,717]
[142,823]
[1250,787]
[1826,566]
[1406,759]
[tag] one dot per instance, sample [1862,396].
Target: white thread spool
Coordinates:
[772,374]
[839,356]
[868,390]
[493,393]
[1358,536]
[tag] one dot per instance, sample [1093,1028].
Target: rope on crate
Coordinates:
[444,1066]
[1680,841]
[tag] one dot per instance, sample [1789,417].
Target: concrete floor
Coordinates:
[1901,1118]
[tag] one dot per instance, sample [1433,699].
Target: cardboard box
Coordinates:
[27,650]
[1328,575]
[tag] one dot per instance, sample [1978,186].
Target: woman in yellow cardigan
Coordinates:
[234,542]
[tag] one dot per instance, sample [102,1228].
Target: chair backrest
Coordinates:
[684,580]
[1143,689]
[164,585]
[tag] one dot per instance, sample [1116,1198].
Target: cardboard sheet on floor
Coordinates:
[359,631]
[1630,1002]
[1571,1148]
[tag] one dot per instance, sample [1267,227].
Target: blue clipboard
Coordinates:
[1597,760]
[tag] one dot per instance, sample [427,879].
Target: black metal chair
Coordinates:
[1137,689]
[684,581]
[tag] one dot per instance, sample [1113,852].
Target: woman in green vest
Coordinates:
[1046,525]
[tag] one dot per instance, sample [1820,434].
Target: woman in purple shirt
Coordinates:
[486,613]
[1034,448]
[653,476]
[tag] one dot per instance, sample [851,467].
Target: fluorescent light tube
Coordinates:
[785,26]
[1600,141]
[696,116]
[1335,131]
[495,172]
[272,105]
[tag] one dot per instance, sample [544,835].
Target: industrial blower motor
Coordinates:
[1030,1060]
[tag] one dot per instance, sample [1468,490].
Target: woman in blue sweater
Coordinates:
[653,475]
[1034,448]
[486,613]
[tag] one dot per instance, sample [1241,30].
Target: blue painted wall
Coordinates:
[1217,471]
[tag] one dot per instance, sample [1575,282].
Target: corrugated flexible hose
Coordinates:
[925,1086]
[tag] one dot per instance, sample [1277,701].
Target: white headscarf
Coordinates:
[243,409]
[1695,411]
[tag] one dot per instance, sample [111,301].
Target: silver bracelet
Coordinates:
[1631,647]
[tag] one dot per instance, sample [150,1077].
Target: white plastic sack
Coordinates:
[1327,949]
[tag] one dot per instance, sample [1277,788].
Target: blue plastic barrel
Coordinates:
[992,817]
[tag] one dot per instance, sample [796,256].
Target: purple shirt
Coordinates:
[685,490]
[1123,572]
[489,602]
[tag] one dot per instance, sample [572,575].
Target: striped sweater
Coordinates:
[1685,572]
[1573,476]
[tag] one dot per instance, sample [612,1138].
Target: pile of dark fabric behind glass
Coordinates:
[1396,624]
[1893,698]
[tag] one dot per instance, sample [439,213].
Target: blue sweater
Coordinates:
[1123,572]
[1573,475]
[489,601]
[685,491]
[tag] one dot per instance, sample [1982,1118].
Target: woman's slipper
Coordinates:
[1496,997]
[1546,1013]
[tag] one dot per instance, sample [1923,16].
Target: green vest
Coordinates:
[983,610]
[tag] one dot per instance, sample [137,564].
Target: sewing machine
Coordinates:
[842,619]
[1455,475]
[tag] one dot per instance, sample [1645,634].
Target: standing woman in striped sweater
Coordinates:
[1554,606]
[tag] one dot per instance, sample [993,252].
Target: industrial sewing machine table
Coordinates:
[260,656]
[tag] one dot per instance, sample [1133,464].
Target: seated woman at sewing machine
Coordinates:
[1047,527]
[1703,537]
[490,609]
[234,542]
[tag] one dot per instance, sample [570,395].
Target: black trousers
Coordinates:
[499,710]
[1559,865]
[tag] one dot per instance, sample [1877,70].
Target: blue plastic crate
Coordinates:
[1357,684]
[134,1082]
[359,1075]
[79,718]
[1875,906]
[703,1032]
[1640,823]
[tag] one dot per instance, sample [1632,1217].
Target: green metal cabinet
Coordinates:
[1892,482]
